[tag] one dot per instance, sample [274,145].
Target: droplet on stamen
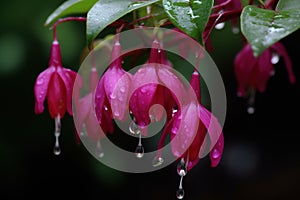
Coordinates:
[56,148]
[181,168]
[133,128]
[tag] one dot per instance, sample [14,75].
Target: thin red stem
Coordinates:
[53,27]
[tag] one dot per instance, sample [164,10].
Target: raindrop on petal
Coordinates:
[122,89]
[40,81]
[275,58]
[220,26]
[216,154]
[157,161]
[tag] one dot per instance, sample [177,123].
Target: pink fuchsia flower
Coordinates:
[55,84]
[111,95]
[150,85]
[188,133]
[86,117]
[254,72]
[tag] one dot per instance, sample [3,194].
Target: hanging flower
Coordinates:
[56,84]
[254,72]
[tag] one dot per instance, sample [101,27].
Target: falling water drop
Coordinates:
[157,161]
[181,168]
[251,110]
[275,58]
[56,148]
[133,128]
[99,151]
[220,26]
[180,191]
[139,151]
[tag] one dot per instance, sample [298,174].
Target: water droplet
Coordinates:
[56,149]
[133,128]
[139,151]
[122,89]
[143,90]
[40,96]
[105,108]
[251,110]
[99,151]
[57,124]
[180,193]
[116,113]
[174,111]
[275,58]
[157,161]
[220,26]
[174,129]
[40,81]
[158,50]
[181,168]
[121,98]
[112,95]
[215,153]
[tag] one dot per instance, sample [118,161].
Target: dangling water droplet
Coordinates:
[139,151]
[275,58]
[220,26]
[181,168]
[180,193]
[133,128]
[157,161]
[251,110]
[99,151]
[56,148]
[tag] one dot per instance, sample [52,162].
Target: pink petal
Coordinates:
[56,96]
[217,151]
[100,97]
[212,125]
[68,77]
[185,131]
[41,89]
[82,109]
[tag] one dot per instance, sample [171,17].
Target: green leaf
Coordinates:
[70,7]
[262,27]
[189,16]
[288,5]
[105,12]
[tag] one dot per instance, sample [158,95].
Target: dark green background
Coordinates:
[261,158]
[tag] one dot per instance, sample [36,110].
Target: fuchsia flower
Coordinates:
[113,89]
[55,83]
[86,116]
[188,134]
[254,72]
[149,86]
